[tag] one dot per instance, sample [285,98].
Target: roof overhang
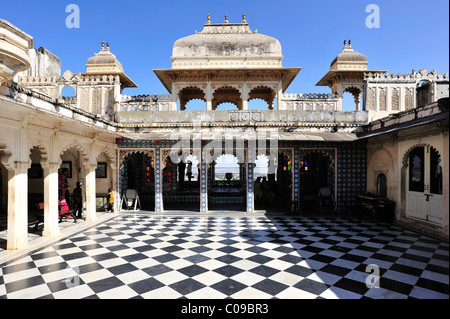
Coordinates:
[165,134]
[167,76]
[125,81]
[331,75]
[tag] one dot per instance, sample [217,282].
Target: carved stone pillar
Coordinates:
[244,97]
[279,97]
[91,201]
[17,237]
[51,224]
[203,183]
[159,207]
[174,97]
[209,96]
[250,193]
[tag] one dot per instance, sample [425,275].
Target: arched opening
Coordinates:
[68,91]
[263,93]
[191,93]
[227,94]
[273,182]
[351,99]
[226,183]
[181,184]
[317,176]
[226,106]
[103,180]
[195,105]
[69,95]
[35,189]
[422,175]
[423,93]
[69,173]
[137,176]
[258,104]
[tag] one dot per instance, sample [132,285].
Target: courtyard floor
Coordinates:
[145,255]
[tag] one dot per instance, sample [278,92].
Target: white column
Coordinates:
[51,221]
[208,96]
[244,97]
[91,205]
[279,97]
[340,94]
[174,97]
[17,237]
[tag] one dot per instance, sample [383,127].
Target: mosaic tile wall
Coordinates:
[351,168]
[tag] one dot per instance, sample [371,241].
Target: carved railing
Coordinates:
[423,74]
[308,96]
[309,101]
[146,98]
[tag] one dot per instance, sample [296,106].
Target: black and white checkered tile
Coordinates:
[145,256]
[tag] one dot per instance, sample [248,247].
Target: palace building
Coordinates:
[301,154]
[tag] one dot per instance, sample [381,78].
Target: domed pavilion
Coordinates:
[226,62]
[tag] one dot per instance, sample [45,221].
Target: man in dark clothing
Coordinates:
[181,169]
[78,201]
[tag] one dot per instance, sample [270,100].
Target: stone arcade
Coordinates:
[394,144]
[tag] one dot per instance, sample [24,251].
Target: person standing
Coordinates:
[181,169]
[110,203]
[78,201]
[63,185]
[189,172]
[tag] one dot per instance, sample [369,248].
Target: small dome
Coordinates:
[232,44]
[349,55]
[227,45]
[104,57]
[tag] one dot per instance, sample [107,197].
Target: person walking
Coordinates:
[110,203]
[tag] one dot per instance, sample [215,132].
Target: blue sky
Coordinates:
[412,35]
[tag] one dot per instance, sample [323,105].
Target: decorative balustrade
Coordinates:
[74,78]
[308,96]
[146,98]
[414,76]
[70,100]
[310,101]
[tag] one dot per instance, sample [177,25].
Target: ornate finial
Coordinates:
[243,18]
[226,18]
[103,45]
[349,42]
[345,43]
[107,46]
[208,21]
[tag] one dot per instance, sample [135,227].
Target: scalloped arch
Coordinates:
[124,154]
[79,148]
[405,158]
[106,151]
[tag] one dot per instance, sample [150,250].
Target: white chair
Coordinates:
[326,200]
[131,199]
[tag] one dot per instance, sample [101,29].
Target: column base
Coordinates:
[54,233]
[91,219]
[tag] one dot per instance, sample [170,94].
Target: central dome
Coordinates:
[226,45]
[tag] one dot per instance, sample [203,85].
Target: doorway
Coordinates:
[424,184]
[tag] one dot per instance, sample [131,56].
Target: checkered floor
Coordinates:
[137,255]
